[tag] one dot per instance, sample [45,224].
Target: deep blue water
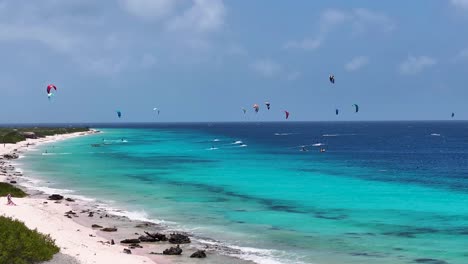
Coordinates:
[383,192]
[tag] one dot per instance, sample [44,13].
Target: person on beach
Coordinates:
[9,201]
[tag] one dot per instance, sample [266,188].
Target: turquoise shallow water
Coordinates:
[382,193]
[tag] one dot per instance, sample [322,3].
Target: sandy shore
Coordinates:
[81,242]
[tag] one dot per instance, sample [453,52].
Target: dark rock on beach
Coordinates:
[96,226]
[199,254]
[109,229]
[13,182]
[56,197]
[173,251]
[69,200]
[127,251]
[153,237]
[177,238]
[130,241]
[145,225]
[147,239]
[11,156]
[134,245]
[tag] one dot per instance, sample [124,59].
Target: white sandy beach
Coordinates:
[80,242]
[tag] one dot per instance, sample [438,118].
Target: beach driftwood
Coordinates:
[177,238]
[173,251]
[199,254]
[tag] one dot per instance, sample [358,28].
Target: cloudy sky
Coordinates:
[202,60]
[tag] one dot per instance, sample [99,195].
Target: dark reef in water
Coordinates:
[331,217]
[411,233]
[365,254]
[429,261]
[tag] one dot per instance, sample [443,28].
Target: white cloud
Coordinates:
[266,67]
[199,16]
[149,9]
[102,65]
[292,76]
[202,16]
[148,60]
[460,3]
[358,20]
[463,54]
[93,35]
[331,18]
[357,63]
[414,65]
[365,19]
[305,44]
[236,50]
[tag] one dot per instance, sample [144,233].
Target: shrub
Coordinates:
[12,137]
[20,245]
[6,188]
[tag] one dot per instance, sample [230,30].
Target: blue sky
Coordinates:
[202,60]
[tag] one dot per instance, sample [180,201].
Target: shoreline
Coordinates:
[94,244]
[82,243]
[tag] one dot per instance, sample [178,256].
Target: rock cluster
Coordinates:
[199,254]
[11,156]
[173,251]
[177,238]
[55,197]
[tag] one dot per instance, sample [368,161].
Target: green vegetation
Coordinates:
[6,188]
[14,135]
[20,245]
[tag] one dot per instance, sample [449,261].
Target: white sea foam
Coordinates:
[45,189]
[283,134]
[243,146]
[337,135]
[140,215]
[318,144]
[435,135]
[257,255]
[54,154]
[114,141]
[238,142]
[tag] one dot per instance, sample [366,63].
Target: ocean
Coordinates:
[382,192]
